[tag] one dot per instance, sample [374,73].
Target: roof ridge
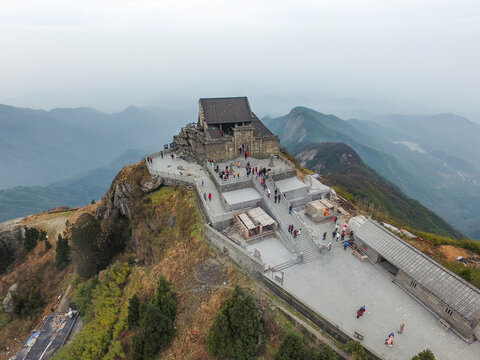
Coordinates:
[426,257]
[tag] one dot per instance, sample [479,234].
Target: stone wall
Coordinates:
[372,254]
[458,323]
[242,257]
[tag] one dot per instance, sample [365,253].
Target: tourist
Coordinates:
[240,151]
[361,311]
[203,183]
[343,235]
[238,164]
[205,196]
[389,339]
[161,154]
[329,246]
[345,245]
[338,236]
[276,191]
[324,236]
[333,234]
[335,219]
[402,327]
[238,175]
[290,209]
[210,196]
[295,232]
[268,193]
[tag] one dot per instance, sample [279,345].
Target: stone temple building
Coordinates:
[226,125]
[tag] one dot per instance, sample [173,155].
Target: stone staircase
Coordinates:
[303,241]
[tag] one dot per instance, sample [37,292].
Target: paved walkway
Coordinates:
[338,284]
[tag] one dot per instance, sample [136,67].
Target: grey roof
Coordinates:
[441,282]
[226,110]
[259,128]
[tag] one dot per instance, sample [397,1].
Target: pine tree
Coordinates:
[62,256]
[291,348]
[133,312]
[31,238]
[238,331]
[164,298]
[424,355]
[157,329]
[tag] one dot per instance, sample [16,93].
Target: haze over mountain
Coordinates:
[40,147]
[416,154]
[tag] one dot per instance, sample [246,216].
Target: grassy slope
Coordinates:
[356,181]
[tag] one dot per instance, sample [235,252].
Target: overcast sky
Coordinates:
[389,56]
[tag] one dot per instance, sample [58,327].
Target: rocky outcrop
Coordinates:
[189,143]
[151,185]
[8,306]
[10,242]
[117,202]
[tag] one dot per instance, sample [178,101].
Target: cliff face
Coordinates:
[10,242]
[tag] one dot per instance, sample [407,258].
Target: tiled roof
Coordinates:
[259,128]
[226,110]
[451,289]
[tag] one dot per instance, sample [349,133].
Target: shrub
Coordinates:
[31,238]
[62,256]
[26,306]
[291,348]
[424,355]
[164,298]
[238,332]
[467,274]
[133,312]
[356,349]
[326,353]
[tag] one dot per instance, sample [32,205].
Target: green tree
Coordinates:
[62,256]
[157,329]
[84,240]
[164,298]
[48,246]
[424,355]
[238,331]
[133,312]
[136,349]
[356,349]
[291,348]
[26,306]
[31,238]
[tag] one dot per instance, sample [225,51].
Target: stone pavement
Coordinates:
[339,284]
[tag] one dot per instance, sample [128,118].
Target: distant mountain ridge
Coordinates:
[427,171]
[346,171]
[77,191]
[38,147]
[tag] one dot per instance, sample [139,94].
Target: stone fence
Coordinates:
[242,257]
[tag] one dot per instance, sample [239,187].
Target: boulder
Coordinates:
[151,185]
[8,300]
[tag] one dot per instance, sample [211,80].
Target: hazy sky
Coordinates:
[417,56]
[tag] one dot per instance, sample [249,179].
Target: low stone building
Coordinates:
[455,301]
[226,129]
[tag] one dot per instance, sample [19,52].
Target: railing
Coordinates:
[287,203]
[281,226]
[214,218]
